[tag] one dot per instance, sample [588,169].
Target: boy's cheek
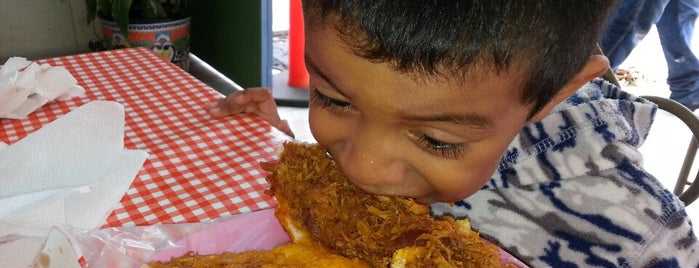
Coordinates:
[326,130]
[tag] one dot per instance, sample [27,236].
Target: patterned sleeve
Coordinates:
[674,245]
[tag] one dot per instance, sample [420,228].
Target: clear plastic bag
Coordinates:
[134,246]
[131,247]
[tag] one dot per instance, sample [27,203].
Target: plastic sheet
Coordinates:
[134,246]
[131,247]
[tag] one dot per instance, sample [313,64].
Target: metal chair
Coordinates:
[686,190]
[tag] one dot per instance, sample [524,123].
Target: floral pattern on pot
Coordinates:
[169,39]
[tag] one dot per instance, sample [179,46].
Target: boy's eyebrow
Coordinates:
[468,119]
[311,66]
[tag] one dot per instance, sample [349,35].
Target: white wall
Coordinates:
[46,28]
[43,28]
[280,15]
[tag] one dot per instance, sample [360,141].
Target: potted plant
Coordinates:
[161,25]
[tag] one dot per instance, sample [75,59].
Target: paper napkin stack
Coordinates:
[25,86]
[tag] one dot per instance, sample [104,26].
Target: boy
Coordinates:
[496,104]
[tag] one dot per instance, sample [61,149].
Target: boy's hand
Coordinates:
[255,100]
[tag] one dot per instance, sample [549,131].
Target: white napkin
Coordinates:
[77,149]
[73,171]
[25,86]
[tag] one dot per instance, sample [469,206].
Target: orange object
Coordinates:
[298,75]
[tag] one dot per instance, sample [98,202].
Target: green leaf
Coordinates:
[181,43]
[95,46]
[99,45]
[91,6]
[177,7]
[104,8]
[152,9]
[120,13]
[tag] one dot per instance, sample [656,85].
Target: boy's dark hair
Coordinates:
[549,40]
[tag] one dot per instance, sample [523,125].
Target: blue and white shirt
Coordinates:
[571,191]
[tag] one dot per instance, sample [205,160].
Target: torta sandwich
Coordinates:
[332,223]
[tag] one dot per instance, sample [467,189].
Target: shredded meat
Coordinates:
[310,187]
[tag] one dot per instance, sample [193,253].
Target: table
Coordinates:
[199,168]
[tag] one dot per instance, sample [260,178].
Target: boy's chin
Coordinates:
[425,200]
[430,200]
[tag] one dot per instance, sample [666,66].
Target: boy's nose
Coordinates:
[372,162]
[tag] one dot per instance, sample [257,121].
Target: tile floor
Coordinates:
[666,145]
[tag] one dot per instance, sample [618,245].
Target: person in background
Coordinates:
[674,20]
[490,110]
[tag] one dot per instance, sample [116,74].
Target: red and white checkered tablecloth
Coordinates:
[199,168]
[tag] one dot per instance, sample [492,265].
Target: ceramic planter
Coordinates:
[168,38]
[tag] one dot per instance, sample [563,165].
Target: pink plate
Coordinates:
[256,230]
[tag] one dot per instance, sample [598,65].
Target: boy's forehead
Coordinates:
[483,67]
[327,52]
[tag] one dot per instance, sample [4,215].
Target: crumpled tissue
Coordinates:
[25,86]
[71,172]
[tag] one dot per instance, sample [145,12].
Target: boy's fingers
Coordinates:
[246,101]
[224,107]
[217,112]
[258,94]
[211,105]
[264,100]
[252,100]
[283,125]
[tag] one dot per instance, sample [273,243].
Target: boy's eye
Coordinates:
[328,103]
[440,148]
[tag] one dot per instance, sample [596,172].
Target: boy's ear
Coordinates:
[595,67]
